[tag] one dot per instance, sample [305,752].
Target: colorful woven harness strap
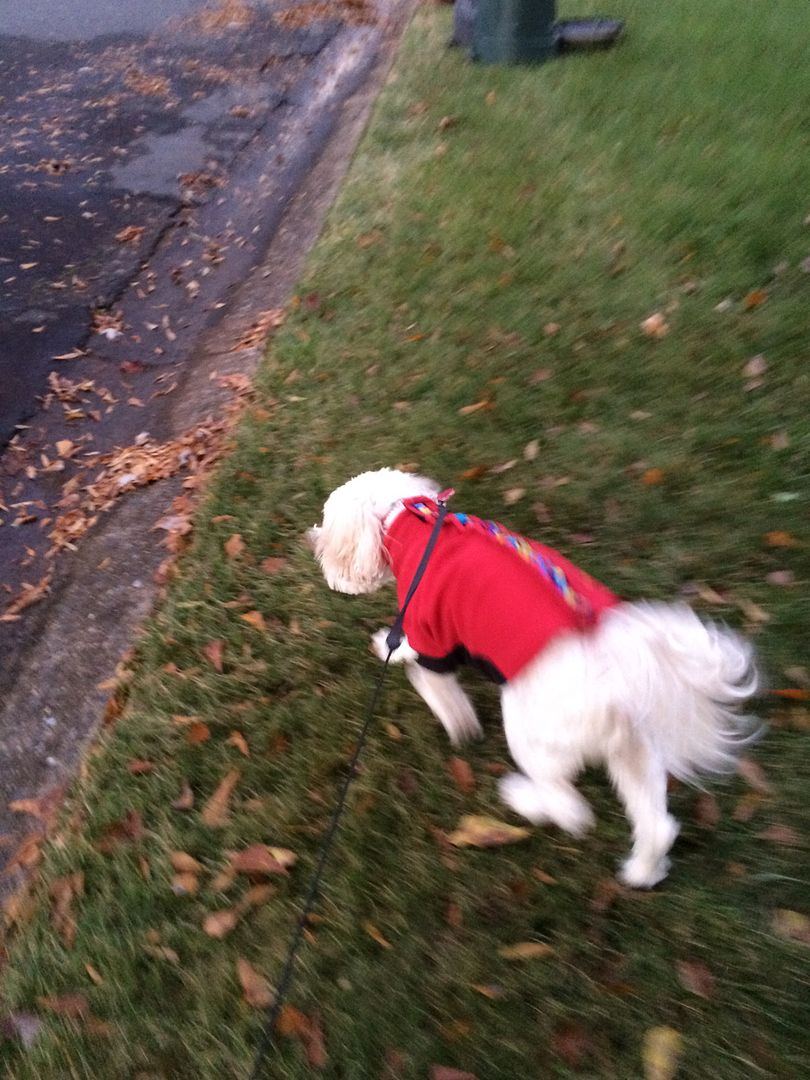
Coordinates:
[521,546]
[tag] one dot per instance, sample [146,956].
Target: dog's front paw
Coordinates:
[461,723]
[642,873]
[378,645]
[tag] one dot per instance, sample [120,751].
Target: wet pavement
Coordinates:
[164,166]
[112,118]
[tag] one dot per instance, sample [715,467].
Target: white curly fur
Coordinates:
[653,691]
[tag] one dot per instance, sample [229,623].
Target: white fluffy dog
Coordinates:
[647,689]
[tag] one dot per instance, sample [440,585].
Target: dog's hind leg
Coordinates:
[641,782]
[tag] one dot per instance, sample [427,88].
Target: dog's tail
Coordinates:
[685,682]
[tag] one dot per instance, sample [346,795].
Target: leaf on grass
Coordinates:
[261,860]
[216,811]
[162,952]
[445,1072]
[237,739]
[571,1042]
[273,564]
[220,923]
[792,693]
[183,863]
[256,990]
[234,546]
[376,935]
[526,950]
[482,831]
[754,299]
[185,800]
[197,732]
[293,1024]
[791,925]
[94,974]
[126,831]
[754,775]
[660,1052]
[72,1005]
[255,619]
[695,977]
[781,834]
[531,450]
[655,326]
[64,891]
[707,810]
[652,477]
[476,406]
[461,774]
[140,767]
[779,539]
[513,495]
[213,653]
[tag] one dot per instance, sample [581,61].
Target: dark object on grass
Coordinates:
[525,31]
[514,31]
[595,33]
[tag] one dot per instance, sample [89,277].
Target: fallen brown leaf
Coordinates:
[780,539]
[376,935]
[64,891]
[754,775]
[444,1072]
[234,546]
[526,950]
[254,619]
[258,859]
[216,811]
[273,564]
[483,832]
[213,653]
[126,831]
[220,923]
[781,834]
[183,863]
[185,800]
[791,925]
[237,739]
[197,732]
[140,767]
[571,1042]
[695,977]
[461,774]
[256,990]
[73,1005]
[660,1052]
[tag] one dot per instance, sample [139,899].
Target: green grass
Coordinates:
[663,176]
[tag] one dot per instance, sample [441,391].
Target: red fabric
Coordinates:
[479,595]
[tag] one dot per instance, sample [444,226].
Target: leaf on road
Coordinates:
[216,812]
[484,832]
[256,990]
[660,1052]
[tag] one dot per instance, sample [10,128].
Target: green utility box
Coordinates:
[514,31]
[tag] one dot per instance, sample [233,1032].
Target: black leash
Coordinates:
[392,641]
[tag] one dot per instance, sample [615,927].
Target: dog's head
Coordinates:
[349,544]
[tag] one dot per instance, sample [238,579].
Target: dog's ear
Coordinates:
[350,544]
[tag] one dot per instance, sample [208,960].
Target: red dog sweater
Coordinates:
[488,597]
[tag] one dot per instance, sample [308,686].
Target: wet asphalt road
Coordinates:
[112,117]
